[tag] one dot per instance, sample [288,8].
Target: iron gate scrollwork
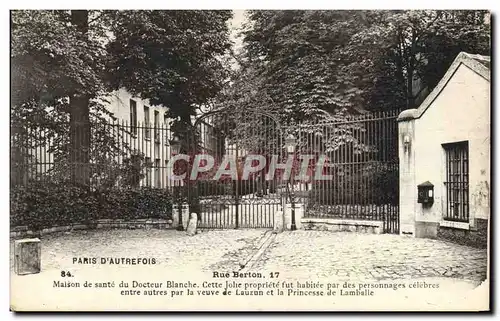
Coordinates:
[361,162]
[229,189]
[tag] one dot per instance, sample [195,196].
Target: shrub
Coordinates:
[41,205]
[375,183]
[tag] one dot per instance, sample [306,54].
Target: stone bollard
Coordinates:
[191,227]
[27,256]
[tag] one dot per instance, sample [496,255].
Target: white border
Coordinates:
[199,4]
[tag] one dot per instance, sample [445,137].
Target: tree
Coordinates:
[302,59]
[349,61]
[55,69]
[418,46]
[65,63]
[173,58]
[80,113]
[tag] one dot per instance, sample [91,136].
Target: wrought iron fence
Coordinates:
[362,155]
[239,200]
[116,154]
[362,161]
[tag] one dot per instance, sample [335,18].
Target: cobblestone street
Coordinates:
[301,254]
[364,256]
[305,256]
[175,250]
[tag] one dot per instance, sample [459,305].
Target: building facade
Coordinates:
[149,133]
[444,146]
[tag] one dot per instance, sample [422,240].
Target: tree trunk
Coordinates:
[80,119]
[410,100]
[409,89]
[189,145]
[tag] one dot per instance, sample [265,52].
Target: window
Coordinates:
[457,182]
[133,117]
[147,131]
[157,126]
[157,173]
[148,171]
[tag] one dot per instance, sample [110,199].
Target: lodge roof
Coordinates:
[484,60]
[477,63]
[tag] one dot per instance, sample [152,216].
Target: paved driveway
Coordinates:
[173,249]
[302,255]
[345,255]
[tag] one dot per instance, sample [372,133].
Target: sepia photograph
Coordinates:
[250,160]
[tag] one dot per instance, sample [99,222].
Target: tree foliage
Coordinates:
[172,58]
[301,61]
[307,66]
[344,62]
[66,64]
[420,45]
[51,60]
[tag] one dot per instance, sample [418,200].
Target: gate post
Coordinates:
[177,209]
[407,181]
[175,216]
[299,213]
[185,215]
[278,225]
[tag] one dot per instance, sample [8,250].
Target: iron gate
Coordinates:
[361,164]
[225,196]
[362,160]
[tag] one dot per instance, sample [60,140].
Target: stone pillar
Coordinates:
[278,222]
[175,215]
[185,215]
[176,210]
[299,213]
[191,227]
[407,182]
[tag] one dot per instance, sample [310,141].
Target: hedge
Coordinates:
[42,205]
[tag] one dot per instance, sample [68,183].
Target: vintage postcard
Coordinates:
[250,160]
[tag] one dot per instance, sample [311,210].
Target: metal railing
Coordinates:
[115,153]
[363,164]
[457,201]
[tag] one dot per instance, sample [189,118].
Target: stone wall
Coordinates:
[477,237]
[24,231]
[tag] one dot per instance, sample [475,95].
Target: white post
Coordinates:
[185,215]
[299,213]
[407,182]
[175,215]
[278,222]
